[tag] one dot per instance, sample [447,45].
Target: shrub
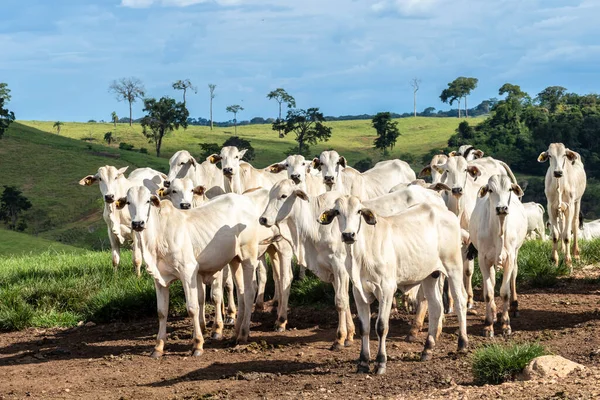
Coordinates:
[495,363]
[126,146]
[143,150]
[364,164]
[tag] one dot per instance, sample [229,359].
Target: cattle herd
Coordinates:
[383,230]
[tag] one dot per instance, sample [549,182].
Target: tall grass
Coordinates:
[496,363]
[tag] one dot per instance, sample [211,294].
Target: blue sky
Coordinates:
[344,56]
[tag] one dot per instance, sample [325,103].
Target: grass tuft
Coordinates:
[496,363]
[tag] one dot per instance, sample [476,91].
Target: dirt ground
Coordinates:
[111,361]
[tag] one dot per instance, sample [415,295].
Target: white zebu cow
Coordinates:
[410,248]
[429,170]
[377,181]
[468,152]
[497,232]
[297,169]
[590,230]
[113,185]
[535,220]
[564,186]
[192,246]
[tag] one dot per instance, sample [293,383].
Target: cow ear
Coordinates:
[516,189]
[162,192]
[439,187]
[88,180]
[276,168]
[316,163]
[155,201]
[327,217]
[572,156]
[164,176]
[474,171]
[342,162]
[453,154]
[215,158]
[242,152]
[369,216]
[477,153]
[271,240]
[483,191]
[121,203]
[192,161]
[543,157]
[121,171]
[426,171]
[199,190]
[301,194]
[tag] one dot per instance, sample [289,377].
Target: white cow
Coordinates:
[113,185]
[564,186]
[468,152]
[589,230]
[399,251]
[375,182]
[497,232]
[535,220]
[429,170]
[206,174]
[297,169]
[192,246]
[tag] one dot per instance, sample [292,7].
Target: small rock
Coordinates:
[80,323]
[309,386]
[550,367]
[67,390]
[90,324]
[300,354]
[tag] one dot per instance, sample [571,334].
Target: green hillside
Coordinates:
[16,243]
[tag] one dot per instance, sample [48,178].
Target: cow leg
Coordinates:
[340,286]
[566,235]
[553,218]
[276,270]
[575,229]
[446,295]
[417,326]
[458,292]
[137,255]
[489,279]
[505,292]
[249,274]
[228,285]
[216,294]
[349,325]
[162,309]
[469,267]
[285,255]
[382,326]
[364,326]
[238,276]
[262,282]
[201,302]
[514,300]
[435,306]
[190,289]
[115,247]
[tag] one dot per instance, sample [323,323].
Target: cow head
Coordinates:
[182,192]
[180,166]
[331,165]
[230,157]
[296,167]
[282,197]
[430,170]
[349,211]
[139,201]
[456,172]
[106,177]
[501,191]
[558,155]
[469,152]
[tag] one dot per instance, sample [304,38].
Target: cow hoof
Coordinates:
[197,353]
[259,307]
[449,310]
[506,331]
[156,354]
[229,321]
[347,343]
[380,369]
[362,369]
[488,333]
[217,336]
[411,338]
[515,314]
[279,329]
[336,347]
[471,311]
[426,356]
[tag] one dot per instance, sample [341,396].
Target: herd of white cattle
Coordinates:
[202,224]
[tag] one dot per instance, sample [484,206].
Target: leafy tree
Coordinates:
[281,96]
[236,108]
[114,118]
[129,90]
[184,85]
[207,149]
[108,137]
[551,97]
[414,83]
[450,95]
[12,204]
[211,148]
[308,127]
[4,92]
[58,125]
[211,89]
[458,89]
[163,116]
[387,132]
[37,220]
[364,164]
[6,117]
[428,111]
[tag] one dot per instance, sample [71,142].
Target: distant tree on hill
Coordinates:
[211,148]
[428,111]
[163,116]
[114,118]
[129,90]
[108,137]
[6,117]
[58,125]
[211,89]
[414,83]
[364,164]
[236,108]
[551,97]
[4,92]
[458,89]
[387,132]
[184,85]
[308,127]
[12,204]
[281,96]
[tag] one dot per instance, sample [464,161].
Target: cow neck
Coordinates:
[304,215]
[148,238]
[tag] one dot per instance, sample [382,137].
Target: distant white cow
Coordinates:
[535,220]
[374,182]
[113,184]
[564,186]
[297,168]
[399,251]
[497,232]
[590,230]
[468,152]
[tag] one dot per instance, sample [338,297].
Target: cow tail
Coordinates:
[580,220]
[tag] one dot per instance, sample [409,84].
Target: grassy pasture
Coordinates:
[16,243]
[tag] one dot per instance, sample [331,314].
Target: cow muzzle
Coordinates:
[348,237]
[167,184]
[185,206]
[109,198]
[295,178]
[263,221]
[457,191]
[501,210]
[329,180]
[228,171]
[558,174]
[138,226]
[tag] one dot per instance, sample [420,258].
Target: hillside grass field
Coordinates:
[17,244]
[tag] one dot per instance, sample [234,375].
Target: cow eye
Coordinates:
[99,179]
[174,191]
[237,157]
[283,196]
[148,202]
[287,165]
[181,163]
[490,191]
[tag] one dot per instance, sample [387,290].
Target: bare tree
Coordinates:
[414,83]
[129,90]
[211,88]
[184,85]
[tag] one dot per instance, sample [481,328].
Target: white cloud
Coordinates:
[174,3]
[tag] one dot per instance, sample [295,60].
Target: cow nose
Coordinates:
[457,191]
[185,206]
[167,184]
[502,210]
[109,198]
[137,225]
[558,174]
[228,171]
[328,179]
[349,237]
[262,221]
[295,177]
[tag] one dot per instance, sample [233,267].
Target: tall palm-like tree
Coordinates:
[57,125]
